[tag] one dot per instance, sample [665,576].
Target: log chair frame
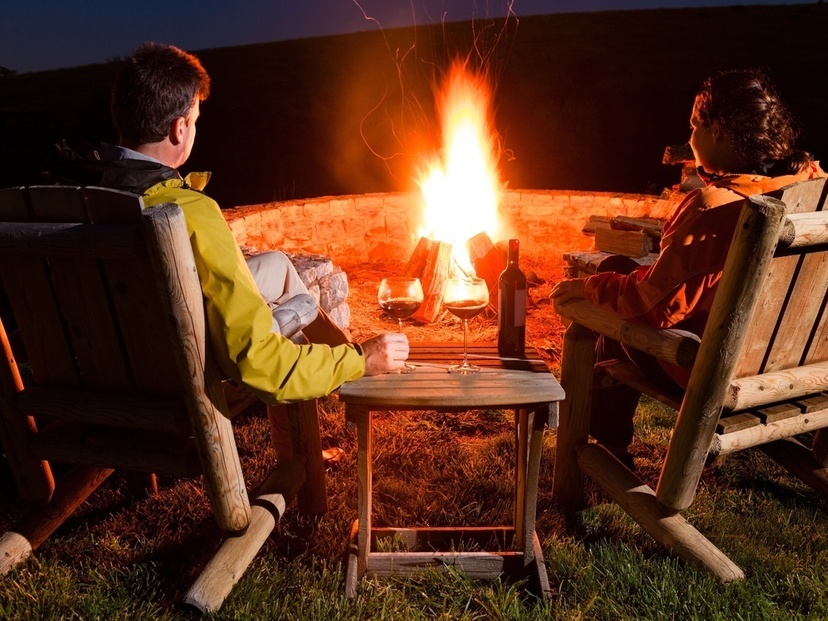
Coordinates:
[757,380]
[109,309]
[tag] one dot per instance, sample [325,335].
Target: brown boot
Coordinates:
[324,330]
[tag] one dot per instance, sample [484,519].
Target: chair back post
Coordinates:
[754,242]
[175,272]
[33,476]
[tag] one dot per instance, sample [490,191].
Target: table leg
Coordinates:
[535,426]
[363,419]
[521,448]
[352,565]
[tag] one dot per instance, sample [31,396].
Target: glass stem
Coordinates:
[465,355]
[400,322]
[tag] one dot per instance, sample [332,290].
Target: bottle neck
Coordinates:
[514,252]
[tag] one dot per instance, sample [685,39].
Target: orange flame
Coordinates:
[462,187]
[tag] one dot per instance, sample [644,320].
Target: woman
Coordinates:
[742,137]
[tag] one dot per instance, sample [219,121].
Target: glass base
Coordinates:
[407,368]
[463,369]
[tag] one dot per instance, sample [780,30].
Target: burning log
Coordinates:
[488,263]
[430,262]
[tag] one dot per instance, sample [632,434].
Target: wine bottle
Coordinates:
[511,306]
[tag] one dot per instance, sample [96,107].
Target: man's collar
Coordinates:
[117,152]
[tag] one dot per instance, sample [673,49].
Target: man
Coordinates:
[155,105]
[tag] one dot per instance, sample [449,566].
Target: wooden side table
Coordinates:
[525,386]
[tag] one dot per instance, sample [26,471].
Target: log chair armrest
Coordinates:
[676,347]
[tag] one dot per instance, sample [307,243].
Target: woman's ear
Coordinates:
[716,130]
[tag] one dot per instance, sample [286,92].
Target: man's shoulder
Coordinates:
[199,209]
[177,187]
[127,175]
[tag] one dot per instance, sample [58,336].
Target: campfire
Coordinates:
[461,191]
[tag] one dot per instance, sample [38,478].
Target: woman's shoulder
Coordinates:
[748,185]
[713,195]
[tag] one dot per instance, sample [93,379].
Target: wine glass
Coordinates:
[464,298]
[400,297]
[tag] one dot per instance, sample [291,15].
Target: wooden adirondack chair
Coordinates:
[758,374]
[109,308]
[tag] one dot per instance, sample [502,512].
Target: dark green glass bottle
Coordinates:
[511,306]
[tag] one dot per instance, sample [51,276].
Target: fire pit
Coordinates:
[373,235]
[450,227]
[365,228]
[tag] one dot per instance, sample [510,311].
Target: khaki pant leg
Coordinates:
[275,276]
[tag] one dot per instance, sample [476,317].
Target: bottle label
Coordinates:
[520,308]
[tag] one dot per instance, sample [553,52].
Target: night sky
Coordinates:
[37,35]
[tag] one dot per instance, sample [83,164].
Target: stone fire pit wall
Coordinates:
[376,227]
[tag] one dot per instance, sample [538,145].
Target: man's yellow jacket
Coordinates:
[239,322]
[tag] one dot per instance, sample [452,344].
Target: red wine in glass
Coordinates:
[465,309]
[400,297]
[465,298]
[400,308]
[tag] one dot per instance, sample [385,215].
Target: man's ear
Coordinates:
[177,130]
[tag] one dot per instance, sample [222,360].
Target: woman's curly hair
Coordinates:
[749,111]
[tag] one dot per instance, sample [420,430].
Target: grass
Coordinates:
[119,559]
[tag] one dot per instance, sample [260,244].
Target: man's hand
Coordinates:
[385,353]
[568,290]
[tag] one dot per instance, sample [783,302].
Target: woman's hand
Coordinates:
[568,290]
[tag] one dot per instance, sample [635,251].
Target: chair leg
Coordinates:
[800,461]
[820,446]
[217,579]
[142,485]
[280,438]
[639,500]
[295,432]
[17,544]
[576,379]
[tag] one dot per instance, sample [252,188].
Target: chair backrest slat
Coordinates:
[792,296]
[57,204]
[13,205]
[93,301]
[133,293]
[818,345]
[27,281]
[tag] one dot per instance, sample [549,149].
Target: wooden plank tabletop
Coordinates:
[500,383]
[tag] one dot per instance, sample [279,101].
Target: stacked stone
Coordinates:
[327,283]
[380,227]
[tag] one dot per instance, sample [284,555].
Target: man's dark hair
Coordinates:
[158,84]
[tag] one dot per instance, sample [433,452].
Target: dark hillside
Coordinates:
[584,101]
